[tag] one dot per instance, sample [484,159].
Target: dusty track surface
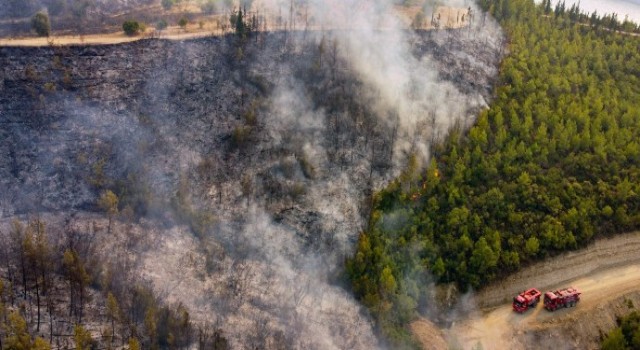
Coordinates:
[428,334]
[607,272]
[450,17]
[104,39]
[502,328]
[603,255]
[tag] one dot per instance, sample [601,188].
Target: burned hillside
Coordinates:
[259,155]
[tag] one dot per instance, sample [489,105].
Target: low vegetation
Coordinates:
[162,25]
[626,336]
[40,24]
[182,22]
[132,27]
[550,165]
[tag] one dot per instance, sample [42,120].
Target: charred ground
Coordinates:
[267,149]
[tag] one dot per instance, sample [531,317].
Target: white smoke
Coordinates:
[377,43]
[291,284]
[275,263]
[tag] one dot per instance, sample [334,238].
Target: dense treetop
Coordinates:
[552,164]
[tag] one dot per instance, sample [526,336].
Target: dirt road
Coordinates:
[501,328]
[605,271]
[448,17]
[110,38]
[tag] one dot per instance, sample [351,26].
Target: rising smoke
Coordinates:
[268,266]
[291,279]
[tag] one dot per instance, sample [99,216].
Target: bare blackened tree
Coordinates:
[17,246]
[36,249]
[78,279]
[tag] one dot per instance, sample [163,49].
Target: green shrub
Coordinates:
[132,27]
[183,22]
[241,135]
[40,24]
[161,25]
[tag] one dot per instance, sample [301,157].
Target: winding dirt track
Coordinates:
[450,17]
[106,38]
[501,328]
[604,271]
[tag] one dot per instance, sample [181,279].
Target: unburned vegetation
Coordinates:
[550,166]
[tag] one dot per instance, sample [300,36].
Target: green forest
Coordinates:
[626,335]
[551,165]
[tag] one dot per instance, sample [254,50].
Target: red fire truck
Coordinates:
[567,297]
[525,300]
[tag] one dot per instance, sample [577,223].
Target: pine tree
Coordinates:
[240,25]
[40,24]
[78,280]
[108,202]
[113,311]
[82,337]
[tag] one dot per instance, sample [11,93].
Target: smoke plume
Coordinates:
[274,147]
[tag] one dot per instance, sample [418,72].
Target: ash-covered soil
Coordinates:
[246,167]
[66,108]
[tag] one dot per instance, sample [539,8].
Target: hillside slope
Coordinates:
[551,165]
[245,166]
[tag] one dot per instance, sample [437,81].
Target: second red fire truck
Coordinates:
[528,299]
[568,297]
